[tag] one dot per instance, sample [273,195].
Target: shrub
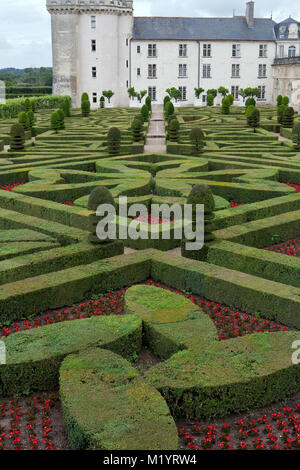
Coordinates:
[250,102]
[85,108]
[148,103]
[100,195]
[24,120]
[140,118]
[17,138]
[102,102]
[65,106]
[136,128]
[31,118]
[210,100]
[212,92]
[145,112]
[231,99]
[285,100]
[197,139]
[223,91]
[27,105]
[114,140]
[84,97]
[225,105]
[198,92]
[166,99]
[174,130]
[169,109]
[288,117]
[296,135]
[54,121]
[202,194]
[61,119]
[280,111]
[279,100]
[254,118]
[33,105]
[249,110]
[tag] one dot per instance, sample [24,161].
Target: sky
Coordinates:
[25,30]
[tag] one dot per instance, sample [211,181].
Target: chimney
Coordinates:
[250,14]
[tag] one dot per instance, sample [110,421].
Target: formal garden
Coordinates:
[136,343]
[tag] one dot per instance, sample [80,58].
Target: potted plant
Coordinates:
[108,94]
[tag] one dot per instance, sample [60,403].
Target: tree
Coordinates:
[24,120]
[288,117]
[254,119]
[225,105]
[108,94]
[197,139]
[213,92]
[114,141]
[140,95]
[173,130]
[296,135]
[174,93]
[17,138]
[132,93]
[145,113]
[136,129]
[223,91]
[54,121]
[250,102]
[198,92]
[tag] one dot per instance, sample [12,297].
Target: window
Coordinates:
[292,51]
[206,50]
[235,92]
[235,71]
[182,50]
[206,71]
[261,92]
[95,98]
[127,64]
[203,98]
[152,71]
[94,72]
[262,71]
[182,90]
[182,71]
[127,84]
[138,72]
[281,51]
[93,21]
[152,92]
[138,49]
[236,50]
[93,45]
[152,50]
[127,42]
[263,50]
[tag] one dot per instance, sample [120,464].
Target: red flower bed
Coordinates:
[292,185]
[271,430]
[68,203]
[236,204]
[229,323]
[290,248]
[10,187]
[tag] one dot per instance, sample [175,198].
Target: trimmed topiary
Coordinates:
[23,119]
[280,111]
[145,113]
[166,99]
[250,102]
[102,102]
[27,105]
[33,105]
[65,106]
[17,138]
[253,119]
[148,103]
[225,105]
[55,121]
[173,130]
[85,107]
[210,100]
[285,100]
[279,100]
[296,135]
[100,195]
[61,119]
[169,109]
[197,139]
[288,117]
[136,129]
[114,140]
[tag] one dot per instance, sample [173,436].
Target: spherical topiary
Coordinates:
[173,130]
[279,100]
[24,120]
[197,139]
[100,195]
[114,140]
[296,135]
[136,128]
[288,117]
[285,100]
[17,138]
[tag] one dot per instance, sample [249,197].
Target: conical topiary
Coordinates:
[136,129]
[145,113]
[201,194]
[23,119]
[85,108]
[173,130]
[61,119]
[54,121]
[288,117]
[296,135]
[114,140]
[197,139]
[100,195]
[17,138]
[254,118]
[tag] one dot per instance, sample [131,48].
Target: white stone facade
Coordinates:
[98,45]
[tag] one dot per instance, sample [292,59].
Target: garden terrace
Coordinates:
[47,262]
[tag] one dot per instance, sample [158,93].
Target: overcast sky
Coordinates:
[25,33]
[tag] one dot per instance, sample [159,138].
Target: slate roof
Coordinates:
[286,23]
[236,28]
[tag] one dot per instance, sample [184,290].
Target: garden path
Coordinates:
[156,137]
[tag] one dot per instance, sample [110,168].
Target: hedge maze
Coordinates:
[47,262]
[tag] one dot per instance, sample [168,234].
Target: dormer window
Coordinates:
[293,31]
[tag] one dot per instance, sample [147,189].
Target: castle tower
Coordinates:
[90,43]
